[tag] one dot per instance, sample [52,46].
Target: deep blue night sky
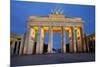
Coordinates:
[21,10]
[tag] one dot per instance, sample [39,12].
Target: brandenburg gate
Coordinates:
[54,22]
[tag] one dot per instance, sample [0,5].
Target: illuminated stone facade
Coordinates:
[54,22]
[33,41]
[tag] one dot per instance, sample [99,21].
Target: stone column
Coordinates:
[79,39]
[31,41]
[50,40]
[71,40]
[84,43]
[16,52]
[39,46]
[12,47]
[87,43]
[27,36]
[74,39]
[41,40]
[21,45]
[33,34]
[91,47]
[38,41]
[83,40]
[93,44]
[25,45]
[63,40]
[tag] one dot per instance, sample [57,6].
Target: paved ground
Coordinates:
[51,59]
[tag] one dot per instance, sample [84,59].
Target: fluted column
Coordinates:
[26,44]
[38,41]
[16,52]
[83,39]
[87,44]
[20,49]
[83,44]
[74,39]
[63,40]
[21,45]
[41,40]
[31,41]
[50,40]
[12,47]
[71,40]
[79,39]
